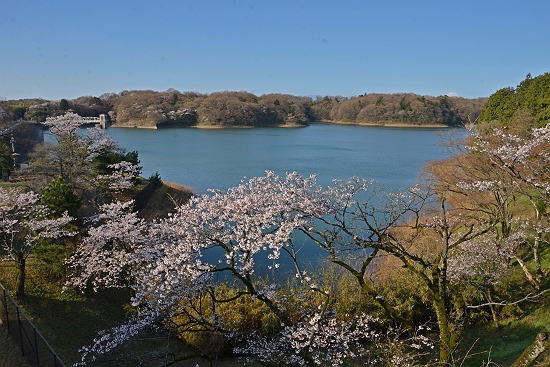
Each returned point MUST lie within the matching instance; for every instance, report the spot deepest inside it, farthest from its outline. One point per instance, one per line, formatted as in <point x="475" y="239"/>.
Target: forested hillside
<point x="529" y="100"/>
<point x="146" y="108"/>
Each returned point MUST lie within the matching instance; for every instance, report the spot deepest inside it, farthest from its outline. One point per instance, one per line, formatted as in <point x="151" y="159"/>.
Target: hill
<point x="151" y="109"/>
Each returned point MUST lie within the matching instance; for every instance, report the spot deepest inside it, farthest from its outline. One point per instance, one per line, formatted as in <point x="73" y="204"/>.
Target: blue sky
<point x="66" y="49"/>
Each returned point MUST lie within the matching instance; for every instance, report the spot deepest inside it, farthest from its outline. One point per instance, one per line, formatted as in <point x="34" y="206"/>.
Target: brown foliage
<point x="407" y="109"/>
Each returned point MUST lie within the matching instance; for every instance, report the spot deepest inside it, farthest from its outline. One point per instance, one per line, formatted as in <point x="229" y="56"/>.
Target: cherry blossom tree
<point x="419" y="229"/>
<point x="121" y="178"/>
<point x="224" y="234"/>
<point x="110" y="252"/>
<point x="484" y="262"/>
<point x="175" y="266"/>
<point x="523" y="159"/>
<point x="72" y="155"/>
<point x="172" y="263"/>
<point x="497" y="172"/>
<point x="320" y="334"/>
<point x="23" y="223"/>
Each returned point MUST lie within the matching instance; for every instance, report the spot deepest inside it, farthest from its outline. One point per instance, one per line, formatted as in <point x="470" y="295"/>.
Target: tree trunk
<point x="493" y="308"/>
<point x="531" y="353"/>
<point x="445" y="347"/>
<point x="536" y="259"/>
<point x="536" y="245"/>
<point x="20" y="280"/>
<point x="528" y="275"/>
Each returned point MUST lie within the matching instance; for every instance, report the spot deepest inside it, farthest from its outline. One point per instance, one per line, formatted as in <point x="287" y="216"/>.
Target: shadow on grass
<point x="68" y="324"/>
<point x="504" y="345"/>
<point x="501" y="346"/>
<point x="68" y="320"/>
<point x="10" y="354"/>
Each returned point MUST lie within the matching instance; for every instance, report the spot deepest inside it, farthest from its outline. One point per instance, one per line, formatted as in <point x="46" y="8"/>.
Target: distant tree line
<point x="228" y="108"/>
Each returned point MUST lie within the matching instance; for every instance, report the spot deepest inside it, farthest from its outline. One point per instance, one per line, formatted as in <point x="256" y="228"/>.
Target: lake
<point x="221" y="158"/>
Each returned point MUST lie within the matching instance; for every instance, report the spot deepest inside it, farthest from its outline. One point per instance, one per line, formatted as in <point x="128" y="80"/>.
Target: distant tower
<point x="13" y="154"/>
<point x="103" y="121"/>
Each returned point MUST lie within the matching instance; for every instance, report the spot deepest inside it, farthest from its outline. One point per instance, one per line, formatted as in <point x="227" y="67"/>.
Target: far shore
<point x="291" y="126"/>
<point x="396" y="124"/>
<point x="206" y="127"/>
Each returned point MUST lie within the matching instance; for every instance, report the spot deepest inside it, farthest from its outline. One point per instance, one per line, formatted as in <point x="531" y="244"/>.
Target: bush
<point x="155" y="179"/>
<point x="59" y="197"/>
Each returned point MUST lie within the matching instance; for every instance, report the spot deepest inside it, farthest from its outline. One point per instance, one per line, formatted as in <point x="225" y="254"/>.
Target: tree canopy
<point x="531" y="96"/>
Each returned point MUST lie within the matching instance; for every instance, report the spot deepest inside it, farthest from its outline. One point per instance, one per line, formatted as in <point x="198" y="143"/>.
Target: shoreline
<point x="397" y="124"/>
<point x="292" y="126"/>
<point x="206" y="127"/>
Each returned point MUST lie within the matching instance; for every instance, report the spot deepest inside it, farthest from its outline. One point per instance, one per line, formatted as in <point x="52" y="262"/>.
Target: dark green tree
<point x="155" y="179"/>
<point x="60" y="198"/>
<point x="6" y="159"/>
<point x="500" y="106"/>
<point x="102" y="161"/>
<point x="63" y="105"/>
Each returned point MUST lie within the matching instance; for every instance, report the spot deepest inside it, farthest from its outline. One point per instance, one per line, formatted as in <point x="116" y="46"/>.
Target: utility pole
<point x="14" y="155"/>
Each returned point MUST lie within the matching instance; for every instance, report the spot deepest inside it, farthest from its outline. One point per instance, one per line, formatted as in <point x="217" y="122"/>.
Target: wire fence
<point x="34" y="346"/>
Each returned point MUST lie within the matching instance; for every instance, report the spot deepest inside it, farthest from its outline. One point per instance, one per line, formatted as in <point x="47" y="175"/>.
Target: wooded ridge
<point x="171" y="108"/>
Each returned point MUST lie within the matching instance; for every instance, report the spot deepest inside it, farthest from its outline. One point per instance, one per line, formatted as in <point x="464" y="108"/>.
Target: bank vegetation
<point x="171" y="108"/>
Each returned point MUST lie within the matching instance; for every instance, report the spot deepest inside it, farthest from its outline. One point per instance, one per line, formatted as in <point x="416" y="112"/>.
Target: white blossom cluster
<point x="97" y="141"/>
<point x="122" y="176"/>
<point x="479" y="185"/>
<point x="486" y="257"/>
<point x="24" y="220"/>
<point x="108" y="340"/>
<point x="64" y="124"/>
<point x="344" y="193"/>
<point x="320" y="336"/>
<point x="110" y="247"/>
<point x="401" y="351"/>
<point x="525" y="157"/>
<point x="175" y="115"/>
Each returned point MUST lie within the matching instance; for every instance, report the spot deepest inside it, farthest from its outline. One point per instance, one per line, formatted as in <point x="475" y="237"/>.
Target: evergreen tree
<point x="532" y="94"/>
<point x="60" y="198"/>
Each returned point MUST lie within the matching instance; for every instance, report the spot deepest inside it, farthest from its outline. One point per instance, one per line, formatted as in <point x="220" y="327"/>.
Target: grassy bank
<point x="68" y="320"/>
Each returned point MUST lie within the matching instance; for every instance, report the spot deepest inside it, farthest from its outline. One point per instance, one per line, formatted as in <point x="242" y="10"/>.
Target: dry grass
<point x="164" y="200"/>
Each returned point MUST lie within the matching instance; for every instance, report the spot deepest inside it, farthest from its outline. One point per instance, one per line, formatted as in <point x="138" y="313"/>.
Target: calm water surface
<point x="221" y="158"/>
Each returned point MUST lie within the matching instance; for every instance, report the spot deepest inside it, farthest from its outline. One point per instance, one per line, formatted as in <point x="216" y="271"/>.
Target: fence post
<point x="36" y="338"/>
<point x="20" y="331"/>
<point x="36" y="347"/>
<point x="5" y="298"/>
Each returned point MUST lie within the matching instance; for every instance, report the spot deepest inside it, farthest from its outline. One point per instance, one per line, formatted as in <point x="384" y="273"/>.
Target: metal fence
<point x="33" y="345"/>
